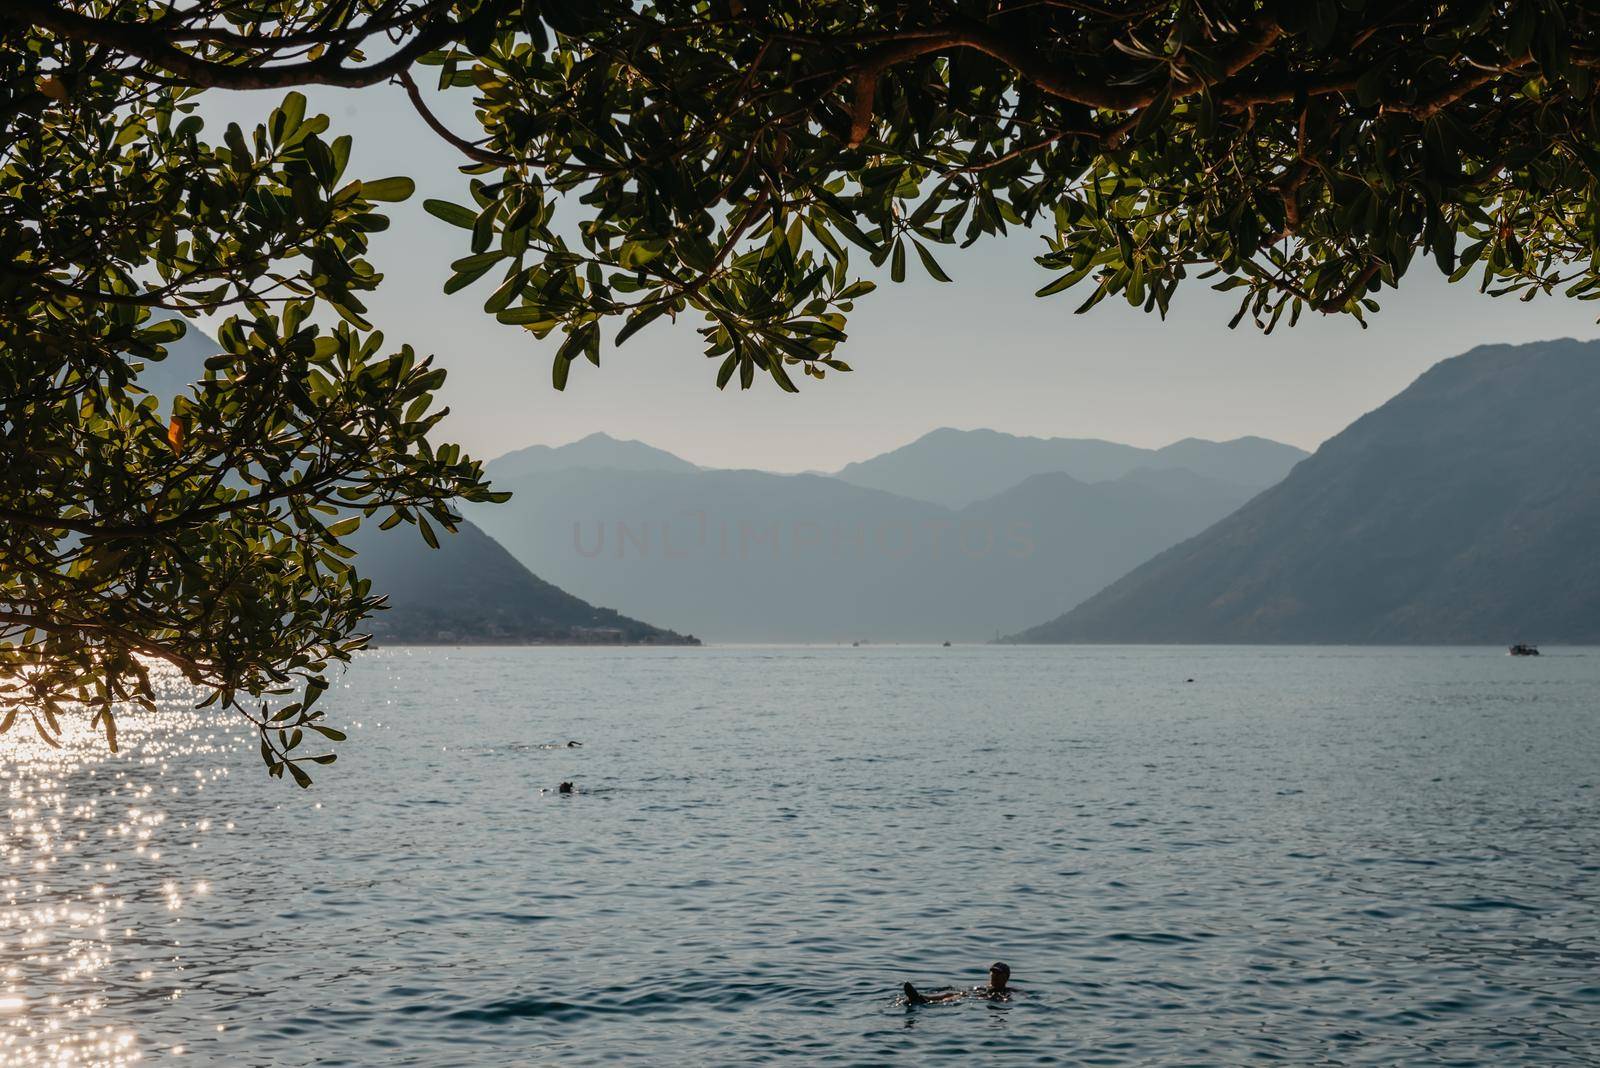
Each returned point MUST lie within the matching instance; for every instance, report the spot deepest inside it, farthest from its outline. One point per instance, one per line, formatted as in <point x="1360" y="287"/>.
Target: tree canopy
<point x="635" y="161"/>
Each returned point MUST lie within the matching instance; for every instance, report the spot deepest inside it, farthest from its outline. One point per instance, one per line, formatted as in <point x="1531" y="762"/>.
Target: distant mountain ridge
<point x="755" y="556"/>
<point x="958" y="467"/>
<point x="596" y="450"/>
<point x="1464" y="510"/>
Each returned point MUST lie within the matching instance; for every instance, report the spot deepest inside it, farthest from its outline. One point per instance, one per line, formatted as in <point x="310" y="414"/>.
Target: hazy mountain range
<point x="757" y="556"/>
<point x="1462" y="511"/>
<point x="957" y="467"/>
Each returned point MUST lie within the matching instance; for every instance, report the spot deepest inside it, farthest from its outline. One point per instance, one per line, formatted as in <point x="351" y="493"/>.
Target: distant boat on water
<point x="1523" y="649"/>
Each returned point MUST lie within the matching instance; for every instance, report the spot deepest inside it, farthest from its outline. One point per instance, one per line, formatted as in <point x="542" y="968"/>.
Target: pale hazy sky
<point x="981" y="352"/>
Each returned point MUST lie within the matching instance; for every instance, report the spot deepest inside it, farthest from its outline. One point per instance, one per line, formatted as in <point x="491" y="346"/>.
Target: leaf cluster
<point x="201" y="528"/>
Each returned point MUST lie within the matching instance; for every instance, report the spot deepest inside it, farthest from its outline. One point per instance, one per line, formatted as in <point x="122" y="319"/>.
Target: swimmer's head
<point x="999" y="975"/>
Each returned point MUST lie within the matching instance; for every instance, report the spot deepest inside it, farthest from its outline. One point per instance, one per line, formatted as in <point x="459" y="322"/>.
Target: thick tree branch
<point x="150" y="43"/>
<point x="1040" y="70"/>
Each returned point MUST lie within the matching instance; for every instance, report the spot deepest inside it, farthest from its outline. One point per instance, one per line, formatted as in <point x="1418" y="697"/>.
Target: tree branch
<point x="146" y="41"/>
<point x="469" y="149"/>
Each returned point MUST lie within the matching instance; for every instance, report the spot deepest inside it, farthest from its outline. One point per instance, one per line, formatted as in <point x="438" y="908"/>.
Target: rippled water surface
<point x="1306" y="856"/>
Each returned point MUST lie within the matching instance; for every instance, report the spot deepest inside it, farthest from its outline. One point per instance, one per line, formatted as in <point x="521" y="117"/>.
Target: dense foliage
<point x="203" y="530"/>
<point x="645" y="159"/>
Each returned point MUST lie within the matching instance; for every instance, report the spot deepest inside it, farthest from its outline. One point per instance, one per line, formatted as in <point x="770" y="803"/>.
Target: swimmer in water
<point x="997" y="990"/>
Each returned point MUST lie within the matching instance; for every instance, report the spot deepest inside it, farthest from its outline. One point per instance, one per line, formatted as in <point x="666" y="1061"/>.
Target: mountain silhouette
<point x="471" y="591"/>
<point x="755" y="556"/>
<point x="596" y="450"/>
<point x="958" y="467"/>
<point x="1462" y="511"/>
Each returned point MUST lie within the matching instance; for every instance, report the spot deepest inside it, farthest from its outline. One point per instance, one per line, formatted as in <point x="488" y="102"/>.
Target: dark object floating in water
<point x="574" y="745"/>
<point x="1522" y="649"/>
<point x="947" y="645"/>
<point x="1188" y="680"/>
<point x="855" y="645"/>
<point x="997" y="990"/>
<point x="564" y="788"/>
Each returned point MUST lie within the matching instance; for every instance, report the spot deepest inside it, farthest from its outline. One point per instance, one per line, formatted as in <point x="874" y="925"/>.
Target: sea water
<point x="1301" y="856"/>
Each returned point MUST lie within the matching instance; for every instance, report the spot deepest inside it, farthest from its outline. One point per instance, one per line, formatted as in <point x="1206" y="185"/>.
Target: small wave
<point x="1485" y="904"/>
<point x="524" y="1008"/>
<point x="534" y="1006"/>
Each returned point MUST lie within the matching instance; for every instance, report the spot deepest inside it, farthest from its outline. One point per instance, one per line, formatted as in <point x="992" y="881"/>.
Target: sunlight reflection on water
<point x="1338" y="856"/>
<point x="85" y="840"/>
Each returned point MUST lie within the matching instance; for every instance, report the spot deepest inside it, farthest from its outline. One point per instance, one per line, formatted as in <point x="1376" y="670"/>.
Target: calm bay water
<point x="1309" y="856"/>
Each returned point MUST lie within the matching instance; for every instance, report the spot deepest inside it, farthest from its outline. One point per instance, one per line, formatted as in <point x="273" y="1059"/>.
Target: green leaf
<point x="463" y="279"/>
<point x="291" y="113"/>
<point x="454" y="214"/>
<point x="638" y="321"/>
<point x="526" y="315"/>
<point x="391" y="189"/>
<point x="725" y="372"/>
<point x="930" y="264"/>
<point x="780" y="376"/>
<point x="1066" y="281"/>
<point x="167" y="330"/>
<point x="508" y="289"/>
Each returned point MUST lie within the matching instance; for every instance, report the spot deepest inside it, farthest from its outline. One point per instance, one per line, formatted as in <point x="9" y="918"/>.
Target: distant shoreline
<point x="425" y="643"/>
<point x="803" y="644"/>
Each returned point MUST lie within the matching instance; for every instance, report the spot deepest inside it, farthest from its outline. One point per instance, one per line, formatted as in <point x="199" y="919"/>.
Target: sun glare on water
<point x="75" y="962"/>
